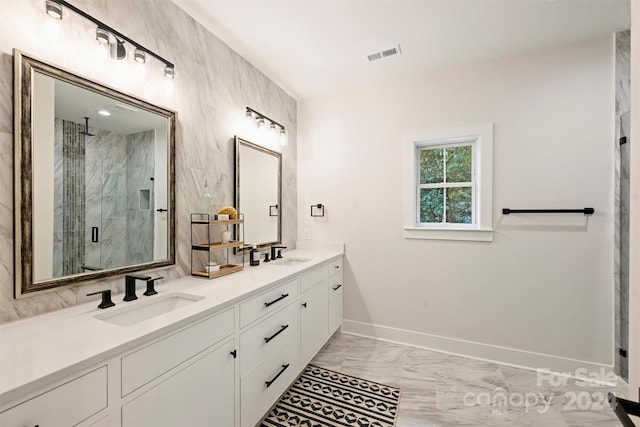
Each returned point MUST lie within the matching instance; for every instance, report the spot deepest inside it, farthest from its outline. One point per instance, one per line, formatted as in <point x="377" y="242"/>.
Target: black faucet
<point x="150" y="286"/>
<point x="273" y="252"/>
<point x="106" y="298"/>
<point x="130" y="286"/>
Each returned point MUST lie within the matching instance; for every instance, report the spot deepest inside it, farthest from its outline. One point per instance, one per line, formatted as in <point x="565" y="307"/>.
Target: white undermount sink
<point x="145" y="310"/>
<point x="290" y="261"/>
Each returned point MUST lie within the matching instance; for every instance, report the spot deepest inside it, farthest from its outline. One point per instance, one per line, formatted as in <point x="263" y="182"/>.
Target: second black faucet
<point x="130" y="286"/>
<point x="273" y="252"/>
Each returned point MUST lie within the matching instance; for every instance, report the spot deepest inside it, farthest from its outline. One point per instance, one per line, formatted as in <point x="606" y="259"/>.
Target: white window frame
<point x="481" y="139"/>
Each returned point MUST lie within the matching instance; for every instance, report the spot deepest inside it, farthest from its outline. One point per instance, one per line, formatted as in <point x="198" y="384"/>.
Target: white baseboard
<point x="485" y="352"/>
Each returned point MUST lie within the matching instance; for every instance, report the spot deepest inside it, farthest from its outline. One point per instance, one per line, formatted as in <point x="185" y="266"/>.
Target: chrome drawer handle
<point x="284" y="368"/>
<point x="266" y="340"/>
<point x="335" y="288"/>
<point x="267" y="304"/>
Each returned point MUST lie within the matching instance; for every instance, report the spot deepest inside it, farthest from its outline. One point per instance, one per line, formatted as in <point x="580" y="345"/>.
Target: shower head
<point x="85" y="132"/>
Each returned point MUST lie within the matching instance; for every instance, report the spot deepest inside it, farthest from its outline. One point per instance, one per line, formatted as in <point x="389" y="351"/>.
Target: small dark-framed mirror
<point x="94" y="179"/>
<point x="259" y="192"/>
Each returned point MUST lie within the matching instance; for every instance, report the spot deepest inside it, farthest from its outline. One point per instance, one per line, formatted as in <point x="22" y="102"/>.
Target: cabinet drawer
<point x="65" y="405"/>
<point x="267" y="336"/>
<point x="255" y="396"/>
<point x="147" y="363"/>
<point x="268" y="302"/>
<point x="335" y="286"/>
<point x="334" y="266"/>
<point x="310" y="279"/>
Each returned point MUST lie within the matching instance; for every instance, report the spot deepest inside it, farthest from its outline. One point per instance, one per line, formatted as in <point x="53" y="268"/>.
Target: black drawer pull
<point x="335" y="288"/>
<point x="234" y="353"/>
<point x="267" y="304"/>
<point x="284" y="368"/>
<point x="266" y="340"/>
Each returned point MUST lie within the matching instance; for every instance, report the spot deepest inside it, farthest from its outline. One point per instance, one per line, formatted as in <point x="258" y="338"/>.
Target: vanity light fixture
<point x="104" y="33"/>
<point x="102" y="36"/>
<point x="54" y="9"/>
<point x="261" y="122"/>
<point x="118" y="51"/>
<point x="169" y="71"/>
<point x="139" y="56"/>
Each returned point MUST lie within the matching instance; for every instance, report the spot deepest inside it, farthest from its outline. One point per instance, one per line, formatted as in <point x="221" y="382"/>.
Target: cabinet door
<point x="65" y="405"/>
<point x="314" y="320"/>
<point x="202" y="394"/>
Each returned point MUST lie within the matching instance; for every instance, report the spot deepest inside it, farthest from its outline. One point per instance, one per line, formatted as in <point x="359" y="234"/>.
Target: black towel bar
<point x="623" y="408"/>
<point x="586" y="211"/>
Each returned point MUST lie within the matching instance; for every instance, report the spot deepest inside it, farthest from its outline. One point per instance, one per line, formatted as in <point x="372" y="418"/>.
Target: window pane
<point x="459" y="164"/>
<point x="459" y="205"/>
<point x="431" y="166"/>
<point x="431" y="204"/>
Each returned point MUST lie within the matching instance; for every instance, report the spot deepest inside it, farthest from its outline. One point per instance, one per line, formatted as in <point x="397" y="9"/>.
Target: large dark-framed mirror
<point x="259" y="192"/>
<point x="94" y="179"/>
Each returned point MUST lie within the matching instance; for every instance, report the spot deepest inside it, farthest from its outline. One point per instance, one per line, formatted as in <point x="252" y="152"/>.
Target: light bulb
<point x="283" y="137"/>
<point x="139" y="56"/>
<point x="102" y="36"/>
<point x="169" y="72"/>
<point x="54" y="9"/>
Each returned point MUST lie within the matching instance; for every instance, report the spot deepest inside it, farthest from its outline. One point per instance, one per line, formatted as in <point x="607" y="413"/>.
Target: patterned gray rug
<point x="324" y="398"/>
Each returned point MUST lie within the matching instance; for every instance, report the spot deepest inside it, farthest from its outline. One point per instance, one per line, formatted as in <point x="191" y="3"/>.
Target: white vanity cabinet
<point x="200" y="394"/>
<point x="67" y="404"/>
<point x="314" y="313"/>
<point x="269" y="350"/>
<point x="223" y="369"/>
<point x="186" y="378"/>
<point x="334" y="270"/>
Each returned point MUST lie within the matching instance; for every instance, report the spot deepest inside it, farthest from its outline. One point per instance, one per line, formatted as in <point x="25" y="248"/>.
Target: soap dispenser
<point x="254" y="256"/>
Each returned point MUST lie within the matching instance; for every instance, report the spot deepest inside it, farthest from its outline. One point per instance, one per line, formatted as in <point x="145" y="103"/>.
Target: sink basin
<point x="290" y="261"/>
<point x="145" y="310"/>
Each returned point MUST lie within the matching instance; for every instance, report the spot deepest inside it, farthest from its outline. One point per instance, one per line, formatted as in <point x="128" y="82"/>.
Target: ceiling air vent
<point x="384" y="54"/>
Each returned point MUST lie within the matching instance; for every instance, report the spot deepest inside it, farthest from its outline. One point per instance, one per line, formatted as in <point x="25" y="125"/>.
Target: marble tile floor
<point x="444" y="390"/>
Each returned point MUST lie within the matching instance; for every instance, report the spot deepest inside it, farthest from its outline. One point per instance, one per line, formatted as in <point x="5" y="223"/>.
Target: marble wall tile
<point x="6" y="87"/>
<point x="213" y="85"/>
<point x="621" y="194"/>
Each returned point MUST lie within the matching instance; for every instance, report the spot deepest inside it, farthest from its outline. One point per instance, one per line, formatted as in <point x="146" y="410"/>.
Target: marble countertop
<point x="37" y="351"/>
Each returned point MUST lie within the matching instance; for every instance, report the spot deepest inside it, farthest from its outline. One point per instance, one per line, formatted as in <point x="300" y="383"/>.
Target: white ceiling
<point x="313" y="46"/>
<point x="74" y="103"/>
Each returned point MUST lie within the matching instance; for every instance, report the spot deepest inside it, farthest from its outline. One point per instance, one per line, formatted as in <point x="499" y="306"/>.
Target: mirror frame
<point x="239" y="141"/>
<point x="24" y="67"/>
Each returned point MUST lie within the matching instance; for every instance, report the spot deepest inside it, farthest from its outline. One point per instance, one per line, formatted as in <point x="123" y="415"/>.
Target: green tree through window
<point x="445" y="184"/>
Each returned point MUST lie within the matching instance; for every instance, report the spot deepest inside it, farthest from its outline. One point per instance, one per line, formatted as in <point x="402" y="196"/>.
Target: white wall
<point x="540" y="294"/>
